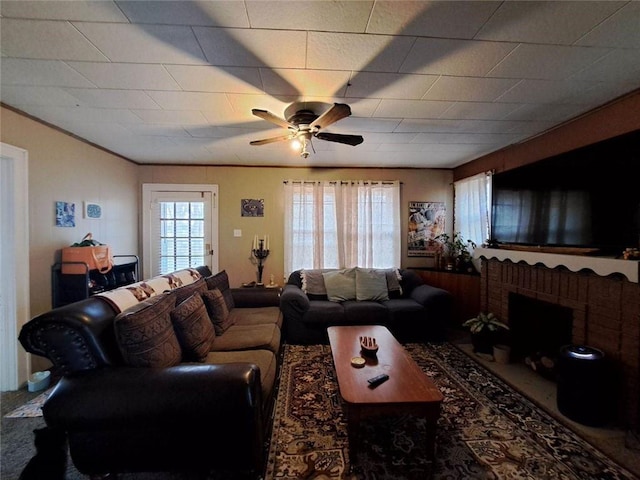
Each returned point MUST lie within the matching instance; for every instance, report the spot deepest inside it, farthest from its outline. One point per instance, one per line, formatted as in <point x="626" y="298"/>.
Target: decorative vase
<point x="483" y="342"/>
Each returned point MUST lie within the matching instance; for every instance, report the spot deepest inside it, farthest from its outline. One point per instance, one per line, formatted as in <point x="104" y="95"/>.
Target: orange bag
<point x="97" y="257"/>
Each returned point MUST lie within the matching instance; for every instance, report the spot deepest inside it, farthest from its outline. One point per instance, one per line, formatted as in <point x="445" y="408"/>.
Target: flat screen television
<point x="587" y="198"/>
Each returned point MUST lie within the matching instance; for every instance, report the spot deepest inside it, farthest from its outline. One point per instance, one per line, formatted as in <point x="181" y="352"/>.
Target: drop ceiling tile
<point x="79" y="115"/>
<point x="335" y="16"/>
<point x="412" y="108"/>
<point x="174" y="117"/>
<point x="550" y="62"/>
<point x="217" y="102"/>
<point x="46" y="40"/>
<point x="552" y="22"/>
<point x="389" y="85"/>
<point x="43" y="96"/>
<point x="373" y="53"/>
<point x="252" y="48"/>
<point x="144" y="43"/>
<point x="380" y="138"/>
<point x="469" y="89"/>
<point x="126" y="75"/>
<point x="619" y="30"/>
<point x="304" y="82"/>
<point x="441" y="56"/>
<point x="458" y="19"/>
<point x="462" y="138"/>
<point x="617" y="66"/>
<point x="216" y="79"/>
<point x="455" y="126"/>
<point x="545" y="112"/>
<point x="18" y="71"/>
<point x="357" y="125"/>
<point x="479" y="111"/>
<point x="403" y="147"/>
<point x="112" y="98"/>
<point x="203" y="13"/>
<point x="91" y="11"/>
<point x="159" y="130"/>
<point x="544" y="91"/>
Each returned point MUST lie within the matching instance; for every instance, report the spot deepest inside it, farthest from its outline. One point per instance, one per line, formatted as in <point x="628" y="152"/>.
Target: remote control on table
<point x="377" y="380"/>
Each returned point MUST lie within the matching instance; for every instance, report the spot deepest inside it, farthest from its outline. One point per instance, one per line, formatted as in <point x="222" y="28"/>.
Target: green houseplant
<point x="486" y="330"/>
<point x="455" y="251"/>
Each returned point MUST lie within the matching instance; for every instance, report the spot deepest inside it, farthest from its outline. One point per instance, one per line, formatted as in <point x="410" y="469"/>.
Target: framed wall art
<point x="251" y="207"/>
<point x="65" y="214"/>
<point x="426" y="222"/>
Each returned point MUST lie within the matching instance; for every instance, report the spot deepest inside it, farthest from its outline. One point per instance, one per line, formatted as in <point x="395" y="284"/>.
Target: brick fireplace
<point x="605" y="307"/>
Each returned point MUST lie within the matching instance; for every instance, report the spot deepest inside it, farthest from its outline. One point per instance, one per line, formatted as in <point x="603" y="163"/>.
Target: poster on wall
<point x="426" y="222"/>
<point x="252" y="207"/>
<point x="65" y="214"/>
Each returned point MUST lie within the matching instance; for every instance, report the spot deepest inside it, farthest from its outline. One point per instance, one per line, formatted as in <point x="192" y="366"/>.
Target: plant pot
<point x="483" y="342"/>
<point x="501" y="353"/>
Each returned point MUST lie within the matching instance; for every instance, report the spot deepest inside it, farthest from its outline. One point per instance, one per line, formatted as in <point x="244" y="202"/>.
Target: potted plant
<point x="486" y="330"/>
<point x="455" y="251"/>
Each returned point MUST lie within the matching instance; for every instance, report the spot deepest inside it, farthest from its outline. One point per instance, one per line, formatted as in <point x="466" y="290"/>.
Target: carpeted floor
<point x="486" y="431"/>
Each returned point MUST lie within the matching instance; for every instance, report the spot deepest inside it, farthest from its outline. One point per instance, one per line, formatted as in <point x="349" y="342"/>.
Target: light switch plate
<point x="237" y="232"/>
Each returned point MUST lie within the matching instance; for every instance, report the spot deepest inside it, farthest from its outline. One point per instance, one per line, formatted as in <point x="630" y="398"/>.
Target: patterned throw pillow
<point x="221" y="281"/>
<point x="193" y="328"/>
<point x="184" y="292"/>
<point x="340" y="284"/>
<point x="218" y="311"/>
<point x="145" y="334"/>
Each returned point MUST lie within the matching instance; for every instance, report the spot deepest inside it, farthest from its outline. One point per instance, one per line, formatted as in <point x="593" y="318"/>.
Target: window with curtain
<point x="473" y="208"/>
<point x="342" y="224"/>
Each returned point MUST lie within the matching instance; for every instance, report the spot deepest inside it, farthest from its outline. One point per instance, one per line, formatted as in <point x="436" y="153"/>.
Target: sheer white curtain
<point x="473" y="207"/>
<point x="341" y="224"/>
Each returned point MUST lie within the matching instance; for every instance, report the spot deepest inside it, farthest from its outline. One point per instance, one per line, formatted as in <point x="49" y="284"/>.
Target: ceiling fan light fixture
<point x="296" y="144"/>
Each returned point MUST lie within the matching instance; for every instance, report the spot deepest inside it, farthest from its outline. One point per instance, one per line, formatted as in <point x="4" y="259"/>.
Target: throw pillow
<point x="145" y="334"/>
<point x="313" y="282"/>
<point x="218" y="311"/>
<point x="340" y="284"/>
<point x="371" y="284"/>
<point x="193" y="328"/>
<point x="393" y="282"/>
<point x="186" y="291"/>
<point x="221" y="281"/>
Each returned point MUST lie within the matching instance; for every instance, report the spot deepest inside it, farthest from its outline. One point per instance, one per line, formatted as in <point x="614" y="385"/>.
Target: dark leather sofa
<point x="190" y="417"/>
<point x="414" y="312"/>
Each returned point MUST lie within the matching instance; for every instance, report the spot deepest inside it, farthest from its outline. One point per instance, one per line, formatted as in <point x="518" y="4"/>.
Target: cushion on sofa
<point x="248" y="337"/>
<point x="257" y="316"/>
<point x="264" y="359"/>
<point x="340" y="284"/>
<point x="393" y="282"/>
<point x="218" y="311"/>
<point x="313" y="281"/>
<point x="184" y="292"/>
<point x="145" y="334"/>
<point x="221" y="281"/>
<point x="193" y="328"/>
<point x="371" y="284"/>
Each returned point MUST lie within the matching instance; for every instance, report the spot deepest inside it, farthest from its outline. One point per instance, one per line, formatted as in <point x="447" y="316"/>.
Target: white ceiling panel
<point x="441" y="56"/>
<point x="126" y="75"/>
<point x="552" y="22"/>
<point x="344" y="51"/>
<point x="202" y="13"/>
<point x="174" y="82"/>
<point x="458" y="19"/>
<point x="45" y="73"/>
<point x="252" y="48"/>
<point x="335" y="16"/>
<point x="25" y="39"/>
<point x="89" y="10"/>
<point x="144" y="43"/>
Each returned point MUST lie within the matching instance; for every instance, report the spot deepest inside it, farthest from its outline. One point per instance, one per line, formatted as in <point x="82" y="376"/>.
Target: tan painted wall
<point x="62" y="168"/>
<point x="236" y="183"/>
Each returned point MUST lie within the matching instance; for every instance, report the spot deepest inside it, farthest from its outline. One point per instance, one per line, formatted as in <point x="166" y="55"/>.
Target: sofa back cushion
<point x="193" y="328"/>
<point x="145" y="334"/>
<point x="340" y="284"/>
<point x="218" y="311"/>
<point x="186" y="291"/>
<point x="221" y="281"/>
<point x="371" y="284"/>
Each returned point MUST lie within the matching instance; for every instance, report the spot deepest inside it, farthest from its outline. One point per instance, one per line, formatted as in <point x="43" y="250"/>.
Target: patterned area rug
<point x="33" y="408"/>
<point x="486" y="430"/>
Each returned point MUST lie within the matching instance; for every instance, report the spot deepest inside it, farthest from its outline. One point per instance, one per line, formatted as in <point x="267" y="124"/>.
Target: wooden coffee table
<point x="408" y="389"/>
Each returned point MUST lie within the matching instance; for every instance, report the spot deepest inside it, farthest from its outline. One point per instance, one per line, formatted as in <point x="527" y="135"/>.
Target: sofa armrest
<point x="438" y="304"/>
<point x="130" y="397"/>
<point x="294" y="303"/>
<point x="255" y="297"/>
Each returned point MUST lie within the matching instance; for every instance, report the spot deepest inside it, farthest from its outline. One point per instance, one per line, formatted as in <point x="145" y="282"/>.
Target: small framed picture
<point x="252" y="207"/>
<point x="65" y="214"/>
<point x="92" y="210"/>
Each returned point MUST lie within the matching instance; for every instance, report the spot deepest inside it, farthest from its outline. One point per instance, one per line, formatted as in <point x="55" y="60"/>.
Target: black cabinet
<point x="68" y="288"/>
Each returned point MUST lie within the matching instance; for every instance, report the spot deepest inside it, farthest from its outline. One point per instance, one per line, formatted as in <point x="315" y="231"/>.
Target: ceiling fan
<point x="305" y="124"/>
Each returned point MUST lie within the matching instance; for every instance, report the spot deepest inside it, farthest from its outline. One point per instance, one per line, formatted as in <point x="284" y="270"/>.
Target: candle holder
<point x="260" y="253"/>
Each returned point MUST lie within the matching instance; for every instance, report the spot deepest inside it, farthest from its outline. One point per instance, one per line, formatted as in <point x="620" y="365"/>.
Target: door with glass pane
<point x="181" y="230"/>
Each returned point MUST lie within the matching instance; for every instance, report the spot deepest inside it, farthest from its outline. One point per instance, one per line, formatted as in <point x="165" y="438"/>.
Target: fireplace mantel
<point x="601" y="265"/>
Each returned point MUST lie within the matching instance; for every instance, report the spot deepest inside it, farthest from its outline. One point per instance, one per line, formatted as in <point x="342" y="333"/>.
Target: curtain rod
<point x="342" y="182"/>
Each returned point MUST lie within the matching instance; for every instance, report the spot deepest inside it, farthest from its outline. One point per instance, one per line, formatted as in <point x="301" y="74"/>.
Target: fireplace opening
<point x="537" y="327"/>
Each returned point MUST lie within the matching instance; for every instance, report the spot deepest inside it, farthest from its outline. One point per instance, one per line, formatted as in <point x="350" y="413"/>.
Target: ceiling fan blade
<point x="352" y="140"/>
<point x="335" y="113"/>
<point x="271" y="140"/>
<point x="270" y="117"/>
